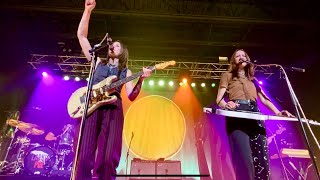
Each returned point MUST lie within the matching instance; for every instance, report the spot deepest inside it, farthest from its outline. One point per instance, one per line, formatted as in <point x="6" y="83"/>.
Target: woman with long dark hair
<point x="101" y="141"/>
<point x="247" y="137"/>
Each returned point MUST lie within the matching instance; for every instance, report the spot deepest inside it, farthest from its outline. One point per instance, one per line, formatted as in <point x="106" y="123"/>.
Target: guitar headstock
<point x="165" y="64"/>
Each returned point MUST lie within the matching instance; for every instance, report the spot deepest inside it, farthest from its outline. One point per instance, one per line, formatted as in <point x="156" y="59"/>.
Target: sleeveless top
<point x="105" y="70"/>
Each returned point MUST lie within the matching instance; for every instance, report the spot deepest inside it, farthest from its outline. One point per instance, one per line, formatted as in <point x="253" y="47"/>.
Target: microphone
<point x="96" y="46"/>
<point x="297" y="69"/>
<point x="111" y="47"/>
<point x="246" y="61"/>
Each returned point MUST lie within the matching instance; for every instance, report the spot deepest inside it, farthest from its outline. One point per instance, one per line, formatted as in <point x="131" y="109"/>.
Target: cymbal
<point x="26" y="127"/>
<point x="31" y="130"/>
<point x="13" y="122"/>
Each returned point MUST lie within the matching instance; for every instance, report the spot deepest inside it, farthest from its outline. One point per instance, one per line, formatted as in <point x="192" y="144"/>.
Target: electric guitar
<point x="100" y="94"/>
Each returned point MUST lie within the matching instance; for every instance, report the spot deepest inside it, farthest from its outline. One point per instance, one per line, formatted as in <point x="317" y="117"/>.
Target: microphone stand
<point x="128" y="154"/>
<point x="93" y="60"/>
<point x="297" y="106"/>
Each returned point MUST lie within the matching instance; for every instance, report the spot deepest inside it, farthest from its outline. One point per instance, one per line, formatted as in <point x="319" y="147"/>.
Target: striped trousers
<point x="101" y="143"/>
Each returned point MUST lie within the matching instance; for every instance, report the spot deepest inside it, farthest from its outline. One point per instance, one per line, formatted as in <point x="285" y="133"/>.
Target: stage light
<point x="184" y="80"/>
<point x="151" y="83"/>
<point x="66" y="78"/>
<point x="193" y="84"/>
<point x="180" y="83"/>
<point x="213" y="85"/>
<point x="223" y="60"/>
<point x="203" y="84"/>
<point x="161" y="83"/>
<point x="87" y="79"/>
<point x="77" y="78"/>
<point x="260" y="82"/>
<point x="44" y="74"/>
<point x="171" y="83"/>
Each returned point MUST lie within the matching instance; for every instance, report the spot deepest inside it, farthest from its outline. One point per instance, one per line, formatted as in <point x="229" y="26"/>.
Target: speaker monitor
<point x="162" y="168"/>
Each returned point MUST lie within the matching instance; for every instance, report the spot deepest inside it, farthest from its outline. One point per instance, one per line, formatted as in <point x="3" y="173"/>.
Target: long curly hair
<point x="233" y="68"/>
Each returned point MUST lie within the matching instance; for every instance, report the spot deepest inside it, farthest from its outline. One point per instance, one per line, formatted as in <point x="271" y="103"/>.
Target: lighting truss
<point x="79" y="66"/>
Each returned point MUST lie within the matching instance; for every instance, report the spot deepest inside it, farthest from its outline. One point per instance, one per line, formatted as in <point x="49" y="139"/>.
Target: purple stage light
<point x="44" y="74"/>
<point x="260" y="82"/>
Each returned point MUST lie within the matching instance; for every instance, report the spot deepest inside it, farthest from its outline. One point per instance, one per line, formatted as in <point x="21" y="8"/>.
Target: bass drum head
<point x="40" y="160"/>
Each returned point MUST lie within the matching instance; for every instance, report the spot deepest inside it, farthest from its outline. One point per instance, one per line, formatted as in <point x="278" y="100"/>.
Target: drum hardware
<point x="36" y="159"/>
<point x="63" y="153"/>
<point x="21" y="142"/>
<point x="4" y="164"/>
<point x="65" y="147"/>
<point x="66" y="138"/>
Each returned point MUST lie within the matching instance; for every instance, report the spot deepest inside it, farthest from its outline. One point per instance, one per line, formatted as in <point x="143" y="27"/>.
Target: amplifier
<point x="142" y="167"/>
<point x="161" y="169"/>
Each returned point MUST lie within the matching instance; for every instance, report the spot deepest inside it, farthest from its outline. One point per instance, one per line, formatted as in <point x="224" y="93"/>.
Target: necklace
<point x="112" y="65"/>
<point x="242" y="74"/>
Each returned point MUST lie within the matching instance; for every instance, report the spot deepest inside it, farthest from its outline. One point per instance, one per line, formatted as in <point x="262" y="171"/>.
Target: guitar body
<point x="100" y="94"/>
<point x="99" y="97"/>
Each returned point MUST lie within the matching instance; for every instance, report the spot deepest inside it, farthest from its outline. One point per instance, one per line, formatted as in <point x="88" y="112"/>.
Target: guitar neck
<point x="124" y="80"/>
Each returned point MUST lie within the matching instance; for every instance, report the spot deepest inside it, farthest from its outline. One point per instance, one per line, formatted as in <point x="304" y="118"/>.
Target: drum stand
<point x="302" y="174"/>
<point x="63" y="153"/>
<point x="18" y="165"/>
<point x="3" y="166"/>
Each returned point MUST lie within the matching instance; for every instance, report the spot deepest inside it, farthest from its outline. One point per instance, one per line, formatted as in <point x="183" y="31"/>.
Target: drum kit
<point x="22" y="156"/>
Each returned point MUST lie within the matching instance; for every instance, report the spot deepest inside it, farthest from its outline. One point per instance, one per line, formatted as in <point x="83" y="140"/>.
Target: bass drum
<point x="40" y="160"/>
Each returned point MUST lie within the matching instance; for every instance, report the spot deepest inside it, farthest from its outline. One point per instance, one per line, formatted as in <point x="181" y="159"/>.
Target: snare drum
<point x="40" y="160"/>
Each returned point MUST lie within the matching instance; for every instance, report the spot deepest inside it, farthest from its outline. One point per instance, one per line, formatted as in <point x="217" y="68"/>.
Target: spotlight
<point x="66" y="78"/>
<point x="203" y="84"/>
<point x="193" y="84"/>
<point x="180" y="83"/>
<point x="171" y="83"/>
<point x="260" y="82"/>
<point x="44" y="74"/>
<point x="87" y="79"/>
<point x="213" y="85"/>
<point x="77" y="78"/>
<point x="161" y="83"/>
<point x="151" y="83"/>
<point x="184" y="80"/>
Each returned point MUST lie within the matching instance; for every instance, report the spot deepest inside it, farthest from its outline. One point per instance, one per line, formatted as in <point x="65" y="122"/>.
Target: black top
<point x="105" y="70"/>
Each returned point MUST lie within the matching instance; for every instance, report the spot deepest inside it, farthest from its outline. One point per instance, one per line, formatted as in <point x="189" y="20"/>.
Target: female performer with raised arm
<point x="102" y="129"/>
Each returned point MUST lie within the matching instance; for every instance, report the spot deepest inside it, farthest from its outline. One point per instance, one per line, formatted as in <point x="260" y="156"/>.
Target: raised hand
<point x="90" y="5"/>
